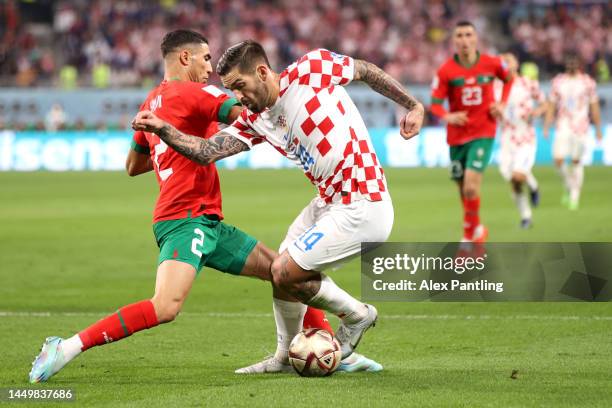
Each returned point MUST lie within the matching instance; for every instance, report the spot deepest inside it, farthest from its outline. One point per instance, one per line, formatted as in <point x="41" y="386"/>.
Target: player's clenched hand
<point x="410" y="125"/>
<point x="497" y="110"/>
<point x="459" y="118"/>
<point x="147" y="122"/>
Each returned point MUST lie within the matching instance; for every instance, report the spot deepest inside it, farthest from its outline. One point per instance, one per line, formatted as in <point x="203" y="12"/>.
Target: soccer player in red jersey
<point x="467" y="81"/>
<point x="188" y="214"/>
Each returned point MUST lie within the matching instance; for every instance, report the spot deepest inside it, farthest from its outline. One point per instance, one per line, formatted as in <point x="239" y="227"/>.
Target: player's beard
<point x="262" y="98"/>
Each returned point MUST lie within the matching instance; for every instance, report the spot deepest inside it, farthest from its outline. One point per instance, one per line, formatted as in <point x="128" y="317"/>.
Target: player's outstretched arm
<point x="202" y="151"/>
<point x="596" y="118"/>
<point x="387" y="86"/>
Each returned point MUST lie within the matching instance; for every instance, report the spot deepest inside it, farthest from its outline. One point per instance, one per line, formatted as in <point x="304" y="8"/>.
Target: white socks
<point x="576" y="177"/>
<point x="333" y="299"/>
<point x="289" y="317"/>
<point x="565" y="176"/>
<point x="72" y="347"/>
<point x="532" y="183"/>
<point x="522" y="203"/>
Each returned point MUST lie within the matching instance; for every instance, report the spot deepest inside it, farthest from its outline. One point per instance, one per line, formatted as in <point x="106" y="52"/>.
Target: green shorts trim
<point x="474" y="155"/>
<point x="203" y="241"/>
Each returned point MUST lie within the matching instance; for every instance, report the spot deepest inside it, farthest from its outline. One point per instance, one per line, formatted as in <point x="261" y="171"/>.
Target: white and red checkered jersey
<point x="315" y="124"/>
<point x="516" y="125"/>
<point x="572" y="95"/>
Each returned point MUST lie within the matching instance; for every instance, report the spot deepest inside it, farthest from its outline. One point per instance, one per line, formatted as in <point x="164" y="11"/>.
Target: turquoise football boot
<point x="49" y="361"/>
<point x="356" y="362"/>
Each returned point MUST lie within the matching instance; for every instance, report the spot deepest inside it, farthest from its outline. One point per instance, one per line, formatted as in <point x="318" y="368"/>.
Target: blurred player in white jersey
<point x="573" y="96"/>
<point x="518" y="139"/>
<point x="306" y="114"/>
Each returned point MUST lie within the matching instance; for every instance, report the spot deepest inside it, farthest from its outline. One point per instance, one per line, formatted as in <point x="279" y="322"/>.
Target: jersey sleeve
<point x="140" y="144"/>
<point x="322" y="68"/>
<point x="592" y="90"/>
<point x="242" y="130"/>
<point x="214" y="104"/>
<point x="501" y="69"/>
<point x="439" y="92"/>
<point x="439" y="88"/>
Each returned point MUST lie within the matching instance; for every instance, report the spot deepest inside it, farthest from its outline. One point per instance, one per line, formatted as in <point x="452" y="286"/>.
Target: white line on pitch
<point x="269" y="315"/>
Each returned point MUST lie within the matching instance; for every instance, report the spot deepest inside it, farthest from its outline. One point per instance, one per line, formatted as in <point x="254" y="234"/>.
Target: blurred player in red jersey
<point x="518" y="138"/>
<point x="573" y="95"/>
<point x="467" y="81"/>
<point x="306" y="114"/>
<point x="187" y="219"/>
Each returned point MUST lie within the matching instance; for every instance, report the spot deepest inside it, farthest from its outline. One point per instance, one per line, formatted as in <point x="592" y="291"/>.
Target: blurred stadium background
<point x="87" y="65"/>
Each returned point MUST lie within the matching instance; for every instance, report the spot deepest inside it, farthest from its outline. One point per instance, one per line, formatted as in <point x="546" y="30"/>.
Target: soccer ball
<point x="315" y="353"/>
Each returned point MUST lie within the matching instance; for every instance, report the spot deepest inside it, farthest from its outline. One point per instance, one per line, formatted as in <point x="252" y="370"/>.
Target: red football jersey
<point x="469" y="89"/>
<point x="186" y="189"/>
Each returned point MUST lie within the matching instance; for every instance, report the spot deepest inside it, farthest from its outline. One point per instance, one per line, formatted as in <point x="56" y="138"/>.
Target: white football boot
<point x="269" y="365"/>
<point x="349" y="335"/>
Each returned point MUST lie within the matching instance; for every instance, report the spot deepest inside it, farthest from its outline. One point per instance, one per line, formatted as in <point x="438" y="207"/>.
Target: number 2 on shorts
<point x="197" y="242"/>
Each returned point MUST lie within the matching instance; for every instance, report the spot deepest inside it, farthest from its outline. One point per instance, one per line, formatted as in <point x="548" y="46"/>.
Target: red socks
<point x="125" y="321"/>
<point x="471" y="217"/>
<point x="315" y="318"/>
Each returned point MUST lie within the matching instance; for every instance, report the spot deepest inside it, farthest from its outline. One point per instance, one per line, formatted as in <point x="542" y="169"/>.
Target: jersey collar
<point x="456" y="57"/>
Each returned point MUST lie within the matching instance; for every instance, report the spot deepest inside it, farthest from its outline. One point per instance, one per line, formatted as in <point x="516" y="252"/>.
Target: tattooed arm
<point x="202" y="151"/>
<point x="387" y="86"/>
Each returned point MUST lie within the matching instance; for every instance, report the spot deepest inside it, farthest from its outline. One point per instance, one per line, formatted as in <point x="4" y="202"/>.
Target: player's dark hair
<point x="245" y="55"/>
<point x="178" y="38"/>
<point x="465" y="23"/>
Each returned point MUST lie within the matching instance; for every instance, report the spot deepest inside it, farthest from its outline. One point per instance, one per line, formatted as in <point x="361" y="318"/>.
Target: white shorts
<point x="326" y="235"/>
<point x="516" y="159"/>
<point x="568" y="143"/>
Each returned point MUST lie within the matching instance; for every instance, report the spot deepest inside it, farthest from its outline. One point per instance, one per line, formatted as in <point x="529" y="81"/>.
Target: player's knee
<point x="518" y="178"/>
<point x="470" y="191"/>
<point x="280" y="277"/>
<point x="276" y="272"/>
<point x="166" y="310"/>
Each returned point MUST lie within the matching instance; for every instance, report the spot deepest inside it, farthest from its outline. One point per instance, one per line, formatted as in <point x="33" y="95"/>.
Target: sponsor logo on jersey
<point x="470" y="81"/>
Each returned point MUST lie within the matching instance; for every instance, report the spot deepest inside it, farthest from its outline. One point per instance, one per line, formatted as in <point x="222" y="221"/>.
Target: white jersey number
<point x="159" y="150"/>
<point x="471" y="96"/>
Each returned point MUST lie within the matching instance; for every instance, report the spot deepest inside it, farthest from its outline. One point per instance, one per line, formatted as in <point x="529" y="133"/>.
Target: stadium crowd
<point x="543" y="31"/>
<point x="78" y="43"/>
<point x="104" y="44"/>
<point x="115" y="44"/>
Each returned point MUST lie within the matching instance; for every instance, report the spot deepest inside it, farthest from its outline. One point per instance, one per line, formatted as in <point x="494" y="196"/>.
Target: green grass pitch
<point x="76" y="246"/>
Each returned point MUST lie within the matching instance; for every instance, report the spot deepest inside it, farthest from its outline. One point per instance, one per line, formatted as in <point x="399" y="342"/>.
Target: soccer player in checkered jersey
<point x="573" y="95"/>
<point x="307" y="115"/>
<point x="518" y="139"/>
<point x="187" y="219"/>
<point x="467" y="81"/>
